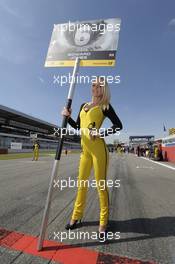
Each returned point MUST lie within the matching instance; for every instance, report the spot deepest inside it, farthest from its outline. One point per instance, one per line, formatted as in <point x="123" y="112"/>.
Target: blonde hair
<point x="105" y="100"/>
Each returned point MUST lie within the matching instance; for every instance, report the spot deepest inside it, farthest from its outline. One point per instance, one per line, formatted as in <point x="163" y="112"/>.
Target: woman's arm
<point x="73" y="123"/>
<point x="117" y="124"/>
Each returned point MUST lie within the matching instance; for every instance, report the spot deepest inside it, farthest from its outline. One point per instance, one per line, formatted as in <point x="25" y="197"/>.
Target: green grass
<point x="23" y="155"/>
<point x="30" y="155"/>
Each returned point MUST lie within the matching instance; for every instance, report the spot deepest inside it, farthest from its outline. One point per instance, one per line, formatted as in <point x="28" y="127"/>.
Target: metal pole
<point x="57" y="159"/>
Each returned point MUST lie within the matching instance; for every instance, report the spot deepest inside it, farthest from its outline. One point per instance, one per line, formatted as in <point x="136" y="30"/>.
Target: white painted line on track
<point x="162" y="164"/>
<point x="33" y="161"/>
<point x="144" y="167"/>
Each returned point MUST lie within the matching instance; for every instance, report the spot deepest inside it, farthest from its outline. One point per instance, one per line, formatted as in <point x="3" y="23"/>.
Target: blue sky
<point x="144" y="99"/>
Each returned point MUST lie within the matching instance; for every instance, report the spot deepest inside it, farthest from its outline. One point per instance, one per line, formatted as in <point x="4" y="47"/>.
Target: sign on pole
<point x="16" y="145"/>
<point x="33" y="135"/>
<point x="93" y="42"/>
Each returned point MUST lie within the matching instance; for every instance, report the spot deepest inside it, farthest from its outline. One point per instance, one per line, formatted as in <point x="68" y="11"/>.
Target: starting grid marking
<point x="59" y="252"/>
<point x="144" y="167"/>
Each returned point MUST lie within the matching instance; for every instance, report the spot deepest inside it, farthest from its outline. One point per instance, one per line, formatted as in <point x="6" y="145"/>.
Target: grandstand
<point x="19" y="130"/>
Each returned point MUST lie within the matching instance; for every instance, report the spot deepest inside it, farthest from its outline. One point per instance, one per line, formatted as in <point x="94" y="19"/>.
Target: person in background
<point x="138" y="151"/>
<point x="36" y="147"/>
<point x="156" y="152"/>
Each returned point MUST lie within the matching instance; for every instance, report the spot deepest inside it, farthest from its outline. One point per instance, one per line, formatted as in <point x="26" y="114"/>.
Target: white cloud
<point x="41" y="79"/>
<point x="9" y="10"/>
<point x="17" y="13"/>
<point x="172" y="22"/>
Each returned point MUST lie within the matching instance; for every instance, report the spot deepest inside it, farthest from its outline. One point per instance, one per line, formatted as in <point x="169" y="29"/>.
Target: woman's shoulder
<point x="109" y="109"/>
<point x="82" y="105"/>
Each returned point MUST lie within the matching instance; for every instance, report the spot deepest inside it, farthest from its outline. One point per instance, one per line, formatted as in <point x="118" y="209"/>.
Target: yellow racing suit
<point x="35" y="151"/>
<point x="94" y="154"/>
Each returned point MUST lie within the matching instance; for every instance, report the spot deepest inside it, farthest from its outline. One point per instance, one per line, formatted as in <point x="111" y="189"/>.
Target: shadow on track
<point x="149" y="228"/>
